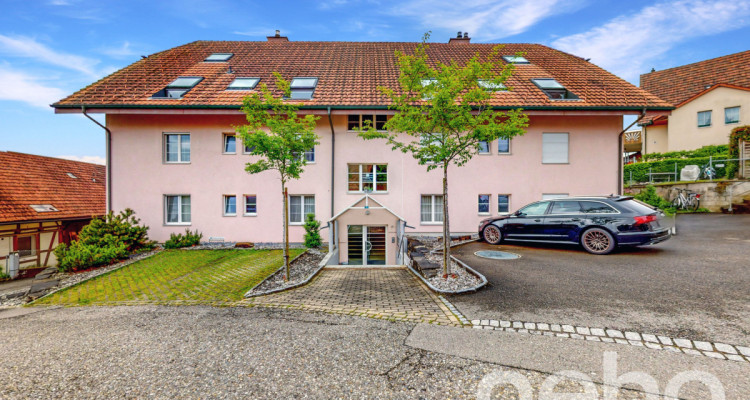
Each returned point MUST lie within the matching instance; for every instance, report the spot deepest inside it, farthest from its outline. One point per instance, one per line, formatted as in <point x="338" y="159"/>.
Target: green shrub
<point x="179" y="240"/>
<point x="312" y="232"/>
<point x="649" y="196"/>
<point x="4" y="276"/>
<point x="716" y="151"/>
<point x="640" y="170"/>
<point x="79" y="255"/>
<point x="740" y="133"/>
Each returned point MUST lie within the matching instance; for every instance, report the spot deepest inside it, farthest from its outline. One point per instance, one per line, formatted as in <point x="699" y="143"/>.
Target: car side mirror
<point x="518" y="214"/>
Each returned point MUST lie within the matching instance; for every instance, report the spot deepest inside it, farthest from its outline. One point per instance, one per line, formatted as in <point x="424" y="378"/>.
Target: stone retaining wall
<point x="714" y="195"/>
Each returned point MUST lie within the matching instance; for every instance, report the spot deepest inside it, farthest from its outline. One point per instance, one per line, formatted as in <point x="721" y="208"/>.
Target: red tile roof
<point x="349" y="74"/>
<point x="27" y="179"/>
<point x="677" y="85"/>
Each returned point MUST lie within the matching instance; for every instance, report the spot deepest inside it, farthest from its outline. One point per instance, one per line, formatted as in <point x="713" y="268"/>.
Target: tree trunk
<point x="446" y="225"/>
<point x="286" y="231"/>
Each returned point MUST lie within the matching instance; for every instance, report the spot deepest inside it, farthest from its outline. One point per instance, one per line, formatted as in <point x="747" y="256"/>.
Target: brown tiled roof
<point x="27" y="179"/>
<point x="349" y="74"/>
<point x="676" y="85"/>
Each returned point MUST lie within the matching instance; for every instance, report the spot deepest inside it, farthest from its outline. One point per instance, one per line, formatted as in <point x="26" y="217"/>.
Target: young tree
<point x="444" y="112"/>
<point x="280" y="137"/>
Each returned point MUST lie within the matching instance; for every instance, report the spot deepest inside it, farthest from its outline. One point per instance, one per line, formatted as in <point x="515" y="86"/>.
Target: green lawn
<point x="176" y="277"/>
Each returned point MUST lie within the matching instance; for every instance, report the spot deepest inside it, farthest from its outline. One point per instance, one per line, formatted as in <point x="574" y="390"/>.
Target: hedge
<point x="717" y="151"/>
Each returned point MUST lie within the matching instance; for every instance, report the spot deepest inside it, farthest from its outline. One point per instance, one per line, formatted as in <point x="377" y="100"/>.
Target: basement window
<point x="178" y="87"/>
<point x="553" y="89"/>
<point x="43" y="207"/>
<point x="218" y="57"/>
<point x="302" y="88"/>
<point x="516" y="60"/>
<point x="243" y="84"/>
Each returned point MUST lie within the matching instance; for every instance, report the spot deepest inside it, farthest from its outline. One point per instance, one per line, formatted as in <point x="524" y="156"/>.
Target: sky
<point x="51" y="48"/>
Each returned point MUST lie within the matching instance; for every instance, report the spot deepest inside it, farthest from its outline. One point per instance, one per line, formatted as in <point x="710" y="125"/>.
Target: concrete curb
<point x="461" y="263"/>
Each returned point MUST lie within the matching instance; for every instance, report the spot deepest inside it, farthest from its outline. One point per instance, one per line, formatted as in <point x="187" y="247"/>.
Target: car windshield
<point x="638" y="207"/>
<point x="535" y="208"/>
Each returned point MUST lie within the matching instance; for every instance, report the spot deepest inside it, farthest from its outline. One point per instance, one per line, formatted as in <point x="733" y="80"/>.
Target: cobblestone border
<point x="678" y="345"/>
<point x="454" y="310"/>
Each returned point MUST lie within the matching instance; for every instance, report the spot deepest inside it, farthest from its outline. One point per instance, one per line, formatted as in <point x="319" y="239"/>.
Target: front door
<point x="366" y="245"/>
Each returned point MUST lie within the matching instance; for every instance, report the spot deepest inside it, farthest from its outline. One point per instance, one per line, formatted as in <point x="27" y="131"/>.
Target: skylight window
<point x="243" y="84"/>
<point x="493" y="87"/>
<point x="218" y="57"/>
<point x="516" y="60"/>
<point x="178" y="87"/>
<point x="43" y="207"/>
<point x="554" y="90"/>
<point x="302" y="88"/>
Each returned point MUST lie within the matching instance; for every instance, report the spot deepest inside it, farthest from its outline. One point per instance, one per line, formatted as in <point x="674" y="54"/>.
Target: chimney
<point x="461" y="38"/>
<point x="277" y="37"/>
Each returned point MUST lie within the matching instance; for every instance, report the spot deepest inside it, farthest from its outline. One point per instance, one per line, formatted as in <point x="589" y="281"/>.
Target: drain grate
<point x="497" y="255"/>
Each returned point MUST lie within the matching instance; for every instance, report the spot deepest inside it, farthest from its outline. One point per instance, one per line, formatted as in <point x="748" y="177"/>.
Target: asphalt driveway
<point x="695" y="285"/>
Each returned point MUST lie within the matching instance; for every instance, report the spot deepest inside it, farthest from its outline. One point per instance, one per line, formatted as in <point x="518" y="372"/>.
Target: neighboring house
<point x="711" y="97"/>
<point x="176" y="162"/>
<point x="45" y="201"/>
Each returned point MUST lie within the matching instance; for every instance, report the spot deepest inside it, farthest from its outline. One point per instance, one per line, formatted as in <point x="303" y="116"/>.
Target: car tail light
<point x="644" y="219"/>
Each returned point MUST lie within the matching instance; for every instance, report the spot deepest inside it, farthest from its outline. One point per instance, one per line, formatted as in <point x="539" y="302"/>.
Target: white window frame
<point x="374" y="178"/>
<point x="244" y="205"/>
<point x="302" y="204"/>
<point x="503" y="153"/>
<point x="432" y="220"/>
<point x="738" y="115"/>
<point x="549" y="159"/>
<point x="224" y="143"/>
<point x="225" y="203"/>
<point x="165" y="136"/>
<point x="489" y="147"/>
<point x="489" y="204"/>
<point x="710" y="118"/>
<point x="179" y="213"/>
<point x="498" y="204"/>
<point x="311" y="151"/>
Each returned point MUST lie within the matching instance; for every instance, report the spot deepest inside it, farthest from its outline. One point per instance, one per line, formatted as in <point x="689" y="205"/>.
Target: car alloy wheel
<point x="492" y="234"/>
<point x="598" y="241"/>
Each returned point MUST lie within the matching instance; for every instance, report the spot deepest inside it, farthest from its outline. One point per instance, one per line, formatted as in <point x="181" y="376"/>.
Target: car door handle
<point x="537" y="220"/>
<point x="575" y="219"/>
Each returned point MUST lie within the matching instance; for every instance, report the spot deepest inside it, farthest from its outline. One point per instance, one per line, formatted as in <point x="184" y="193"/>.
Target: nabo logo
<point x="611" y="381"/>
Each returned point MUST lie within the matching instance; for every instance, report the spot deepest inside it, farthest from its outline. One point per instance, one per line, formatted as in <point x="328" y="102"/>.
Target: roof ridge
<point x="696" y="63"/>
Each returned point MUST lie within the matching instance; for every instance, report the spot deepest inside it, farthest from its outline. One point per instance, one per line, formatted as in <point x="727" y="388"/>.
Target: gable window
<point x="484" y="147"/>
<point x="251" y="204"/>
<point x="178" y="87"/>
<point x="431" y="209"/>
<point x="516" y="60"/>
<point x="503" y="203"/>
<point x="218" y="57"/>
<point x="368" y="178"/>
<point x="299" y="207"/>
<point x="732" y="115"/>
<point x="243" y="84"/>
<point x="230" y="144"/>
<point x="359" y="122"/>
<point x="553" y="89"/>
<point x="483" y="202"/>
<point x="177" y="209"/>
<point x="492" y="87"/>
<point x="26" y="246"/>
<point x="177" y="147"/>
<point x="554" y="148"/>
<point x="302" y="88"/>
<point x="503" y="146"/>
<point x="230" y="205"/>
<point x="704" y="118"/>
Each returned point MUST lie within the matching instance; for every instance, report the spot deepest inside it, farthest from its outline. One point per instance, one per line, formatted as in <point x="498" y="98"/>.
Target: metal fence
<point x="743" y="170"/>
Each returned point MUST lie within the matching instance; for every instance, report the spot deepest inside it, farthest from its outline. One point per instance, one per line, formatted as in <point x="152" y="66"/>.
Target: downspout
<point x="333" y="158"/>
<point x="108" y="151"/>
<point x="620" y="164"/>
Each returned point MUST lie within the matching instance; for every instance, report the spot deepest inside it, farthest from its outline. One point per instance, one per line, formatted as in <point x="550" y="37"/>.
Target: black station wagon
<point x="599" y="224"/>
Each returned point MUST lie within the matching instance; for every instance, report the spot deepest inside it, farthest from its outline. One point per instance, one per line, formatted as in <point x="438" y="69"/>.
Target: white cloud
<point x="484" y="19"/>
<point x="88" y="159"/>
<point x="22" y="46"/>
<point x="19" y="86"/>
<point x="625" y="44"/>
<point x="123" y="51"/>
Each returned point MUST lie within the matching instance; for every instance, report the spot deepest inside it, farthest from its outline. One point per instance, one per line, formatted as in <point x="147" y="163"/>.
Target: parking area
<point x="695" y="285"/>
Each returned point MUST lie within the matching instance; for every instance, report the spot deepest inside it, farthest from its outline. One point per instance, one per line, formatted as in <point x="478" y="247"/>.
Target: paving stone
<point x="692" y="352"/>
<point x="598" y="332"/>
<point x="488" y="327"/>
<point x="725" y="348"/>
<point x="735" y="357"/>
<point x="576" y="336"/>
<point x="684" y="343"/>
<point x="555" y="327"/>
<point x="672" y="349"/>
<point x="538" y="333"/>
<point x="474" y="326"/>
<point x="614" y="333"/>
<point x="650" y="338"/>
<point x="505" y="324"/>
<point x="632" y="336"/>
<point x="494" y="323"/>
<point x="510" y="329"/>
<point x="583" y="330"/>
<point x="529" y="325"/>
<point x="652" y="345"/>
<point x="636" y="343"/>
<point x="621" y="341"/>
<point x="485" y="322"/>
<point x="665" y="340"/>
<point x="475" y="322"/>
<point x="565" y="335"/>
<point x="593" y="338"/>
<point x="523" y="331"/>
<point x="542" y="326"/>
<point x="568" y="328"/>
<point x="608" y="340"/>
<point x="548" y="333"/>
<point x="517" y="324"/>
<point x="714" y="354"/>
<point x="744" y="350"/>
<point x="705" y="346"/>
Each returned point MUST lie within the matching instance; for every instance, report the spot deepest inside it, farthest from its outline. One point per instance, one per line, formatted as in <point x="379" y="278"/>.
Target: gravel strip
<point x="299" y="270"/>
<point x="256" y="246"/>
<point x="463" y="280"/>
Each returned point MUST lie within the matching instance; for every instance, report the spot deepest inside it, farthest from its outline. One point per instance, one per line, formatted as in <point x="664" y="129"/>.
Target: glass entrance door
<point x="366" y="245"/>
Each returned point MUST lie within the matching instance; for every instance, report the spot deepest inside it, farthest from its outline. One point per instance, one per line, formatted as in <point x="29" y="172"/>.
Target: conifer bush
<point x="312" y="232"/>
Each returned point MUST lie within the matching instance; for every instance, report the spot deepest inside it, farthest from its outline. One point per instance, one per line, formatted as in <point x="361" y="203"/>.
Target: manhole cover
<point x="497" y="255"/>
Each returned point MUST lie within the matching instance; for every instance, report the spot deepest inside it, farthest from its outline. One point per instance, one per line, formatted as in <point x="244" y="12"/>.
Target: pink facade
<point x="141" y="178"/>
